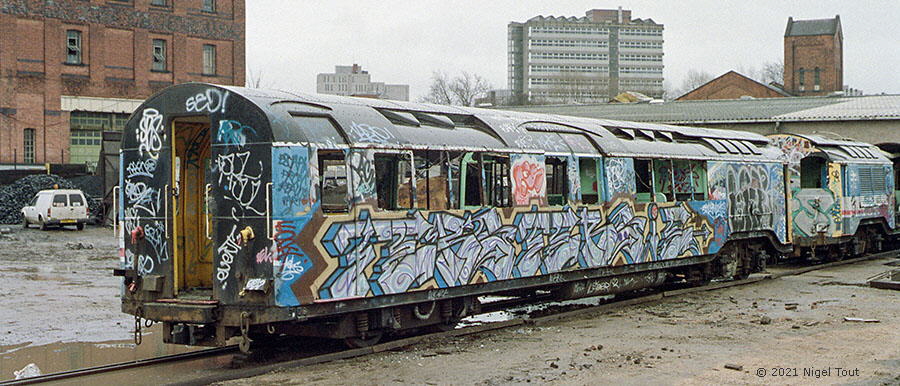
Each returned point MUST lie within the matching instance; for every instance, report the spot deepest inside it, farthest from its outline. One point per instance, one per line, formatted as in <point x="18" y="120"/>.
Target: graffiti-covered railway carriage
<point x="248" y="212"/>
<point x="841" y="195"/>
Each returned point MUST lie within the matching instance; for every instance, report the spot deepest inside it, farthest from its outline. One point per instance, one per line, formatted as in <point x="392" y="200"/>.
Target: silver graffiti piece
<point x="227" y="253"/>
<point x="368" y="133"/>
<point x="143" y="168"/>
<point x="239" y="186"/>
<point x="211" y="101"/>
<point x="149" y="131"/>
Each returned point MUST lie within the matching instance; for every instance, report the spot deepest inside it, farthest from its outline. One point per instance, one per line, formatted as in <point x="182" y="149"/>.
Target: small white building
<point x="354" y="81"/>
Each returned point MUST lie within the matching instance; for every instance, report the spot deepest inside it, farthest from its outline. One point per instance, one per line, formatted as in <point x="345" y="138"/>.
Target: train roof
<point x="844" y="150"/>
<point x="337" y="121"/>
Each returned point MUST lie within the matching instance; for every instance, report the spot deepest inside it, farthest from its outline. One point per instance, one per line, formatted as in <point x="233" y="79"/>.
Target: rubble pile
<point x="15" y="196"/>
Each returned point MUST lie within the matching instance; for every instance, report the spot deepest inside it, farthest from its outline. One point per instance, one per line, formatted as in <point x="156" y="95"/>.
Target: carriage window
<point x="496" y="173"/>
<point x="663" y="180"/>
<point x="486" y="180"/>
<point x="587" y="168"/>
<point x="393" y="181"/>
<point x="557" y="187"/>
<point x="454" y="169"/>
<point x="431" y="180"/>
<point x="692" y="186"/>
<point x="812" y="173"/>
<point x="333" y="181"/>
<point x="643" y="180"/>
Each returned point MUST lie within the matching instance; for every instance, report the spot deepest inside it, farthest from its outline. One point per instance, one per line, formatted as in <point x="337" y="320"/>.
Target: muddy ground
<point x="789" y="330"/>
<point x="55" y="291"/>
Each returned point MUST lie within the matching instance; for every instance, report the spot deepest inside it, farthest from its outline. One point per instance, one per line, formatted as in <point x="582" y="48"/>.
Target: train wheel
<point x="369" y="338"/>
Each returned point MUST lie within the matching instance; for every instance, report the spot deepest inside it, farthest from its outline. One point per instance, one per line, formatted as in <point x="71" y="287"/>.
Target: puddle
<point x="57" y="357"/>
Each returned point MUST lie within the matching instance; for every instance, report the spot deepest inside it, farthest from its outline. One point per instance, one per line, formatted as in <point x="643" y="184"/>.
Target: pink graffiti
<point x="528" y="180"/>
<point x="267" y="255"/>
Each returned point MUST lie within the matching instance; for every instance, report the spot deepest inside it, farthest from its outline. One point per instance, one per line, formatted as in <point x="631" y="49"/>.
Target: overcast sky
<point x="290" y="41"/>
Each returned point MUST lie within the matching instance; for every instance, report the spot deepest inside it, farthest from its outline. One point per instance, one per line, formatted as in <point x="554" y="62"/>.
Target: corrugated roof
<point x="876" y="107"/>
<point x="812" y="27"/>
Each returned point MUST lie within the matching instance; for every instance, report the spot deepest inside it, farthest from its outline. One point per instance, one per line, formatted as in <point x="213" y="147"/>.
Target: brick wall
<point x="116" y="59"/>
<point x="809" y="52"/>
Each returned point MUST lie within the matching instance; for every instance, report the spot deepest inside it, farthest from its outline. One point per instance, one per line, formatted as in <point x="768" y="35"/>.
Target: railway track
<point x="223" y="356"/>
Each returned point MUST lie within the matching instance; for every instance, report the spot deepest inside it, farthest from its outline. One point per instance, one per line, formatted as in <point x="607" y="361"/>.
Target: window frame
<point x="638" y="193"/>
<point x="28" y="142"/>
<point x="76" y="46"/>
<point x="208" y="6"/>
<point x="560" y="179"/>
<point x="333" y="158"/>
<point x="158" y="58"/>
<point x="402" y="159"/>
<point x="209" y="60"/>
<point x="822" y="178"/>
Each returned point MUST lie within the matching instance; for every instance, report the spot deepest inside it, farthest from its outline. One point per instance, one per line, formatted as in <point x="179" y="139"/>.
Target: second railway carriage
<point x="248" y="212"/>
<point x="841" y="195"/>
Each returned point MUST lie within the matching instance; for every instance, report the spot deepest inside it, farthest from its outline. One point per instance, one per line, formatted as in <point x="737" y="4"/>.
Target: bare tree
<point x="772" y="72"/>
<point x="256" y="79"/>
<point x="461" y="90"/>
<point x="467" y="87"/>
<point x="693" y="79"/>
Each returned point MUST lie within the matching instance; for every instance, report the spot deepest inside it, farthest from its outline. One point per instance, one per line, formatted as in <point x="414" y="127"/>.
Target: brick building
<point x="733" y="85"/>
<point x="813" y="56"/>
<point x="70" y="69"/>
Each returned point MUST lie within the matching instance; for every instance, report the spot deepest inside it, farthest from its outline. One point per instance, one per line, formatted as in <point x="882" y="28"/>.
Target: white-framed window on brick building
<point x="73" y="46"/>
<point x="209" y="59"/>
<point x="159" y="55"/>
<point x="160" y="3"/>
<point x="816" y="79"/>
<point x="28" y="147"/>
<point x="208" y="5"/>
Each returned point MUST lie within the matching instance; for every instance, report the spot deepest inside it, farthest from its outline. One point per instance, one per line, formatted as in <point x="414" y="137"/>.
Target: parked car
<point x="57" y="207"/>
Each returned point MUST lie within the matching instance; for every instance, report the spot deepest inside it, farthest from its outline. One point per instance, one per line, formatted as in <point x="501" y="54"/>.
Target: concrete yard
<point x="793" y="326"/>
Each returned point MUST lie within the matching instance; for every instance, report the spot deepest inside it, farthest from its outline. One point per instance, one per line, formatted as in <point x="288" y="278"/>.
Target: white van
<point x="57" y="207"/>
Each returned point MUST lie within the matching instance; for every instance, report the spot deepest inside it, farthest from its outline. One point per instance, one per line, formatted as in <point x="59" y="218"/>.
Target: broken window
<point x="590" y="192"/>
<point x="555" y="171"/>
<point x="813" y="173"/>
<point x="486" y="180"/>
<point x="159" y="55"/>
<point x="690" y="180"/>
<point x="73" y="46"/>
<point x="393" y="181"/>
<point x="431" y="180"/>
<point x="496" y="173"/>
<point x="454" y="168"/>
<point x="332" y="181"/>
<point x="643" y="180"/>
<point x="663" y="181"/>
